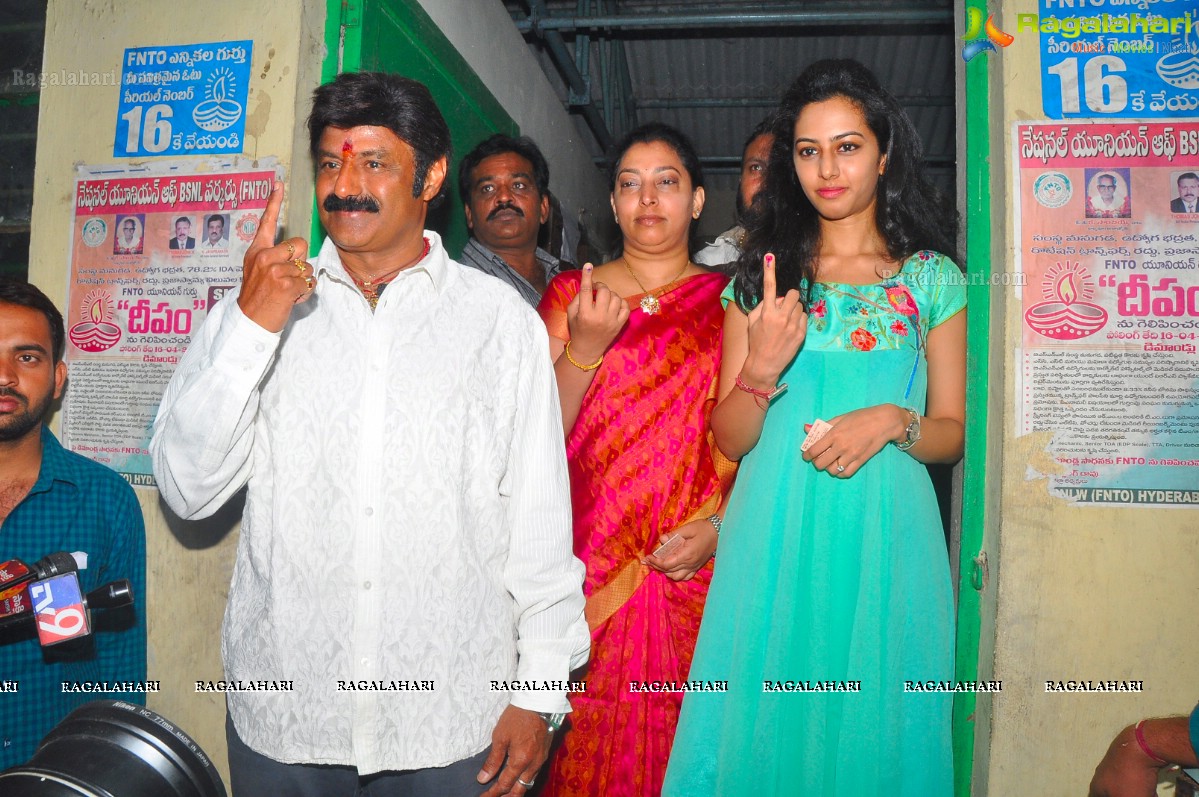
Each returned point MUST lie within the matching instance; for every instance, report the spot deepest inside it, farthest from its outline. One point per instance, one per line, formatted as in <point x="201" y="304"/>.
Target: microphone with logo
<point x="47" y="596"/>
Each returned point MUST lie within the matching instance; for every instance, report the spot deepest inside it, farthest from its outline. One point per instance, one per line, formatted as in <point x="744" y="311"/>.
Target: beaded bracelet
<point x="767" y="395"/>
<point x="580" y="365"/>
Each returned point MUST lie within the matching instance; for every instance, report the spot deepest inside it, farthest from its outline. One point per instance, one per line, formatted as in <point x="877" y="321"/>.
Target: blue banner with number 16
<point x="1115" y="58"/>
<point x="183" y="100"/>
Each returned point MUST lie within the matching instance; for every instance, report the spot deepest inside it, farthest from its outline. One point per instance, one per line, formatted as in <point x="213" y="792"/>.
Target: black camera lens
<point x="109" y="748"/>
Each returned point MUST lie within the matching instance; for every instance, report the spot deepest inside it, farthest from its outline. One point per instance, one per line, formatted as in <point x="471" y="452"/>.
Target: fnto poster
<point x="1108" y="231"/>
<point x="152" y="250"/>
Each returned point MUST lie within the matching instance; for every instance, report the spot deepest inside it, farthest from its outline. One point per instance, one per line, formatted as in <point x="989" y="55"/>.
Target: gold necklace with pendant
<point x="649" y="302"/>
<point x="370" y="287"/>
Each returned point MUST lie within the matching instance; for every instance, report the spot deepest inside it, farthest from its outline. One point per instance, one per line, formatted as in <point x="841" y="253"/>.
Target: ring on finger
<point x="308" y="282"/>
<point x="291" y="250"/>
<point x="528" y="784"/>
<point x="840" y="467"/>
<point x="300" y="264"/>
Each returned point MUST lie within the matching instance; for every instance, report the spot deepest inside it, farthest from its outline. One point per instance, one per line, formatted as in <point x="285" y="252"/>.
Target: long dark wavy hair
<point x="910" y="213"/>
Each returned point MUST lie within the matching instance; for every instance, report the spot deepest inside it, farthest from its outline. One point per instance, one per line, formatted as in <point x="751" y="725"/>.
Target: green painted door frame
<point x="397" y="36"/>
<point x="971" y="579"/>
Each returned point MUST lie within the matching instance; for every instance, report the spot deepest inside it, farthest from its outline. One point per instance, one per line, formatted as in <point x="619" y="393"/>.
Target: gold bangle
<point x="578" y="364"/>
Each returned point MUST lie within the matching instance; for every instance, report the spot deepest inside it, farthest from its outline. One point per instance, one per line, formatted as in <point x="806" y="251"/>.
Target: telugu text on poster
<point x="152" y="251"/>
<point x="1108" y="221"/>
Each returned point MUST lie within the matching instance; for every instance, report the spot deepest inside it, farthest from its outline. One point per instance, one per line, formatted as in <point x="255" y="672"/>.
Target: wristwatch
<point x="552" y="721"/>
<point x="912" y="432"/>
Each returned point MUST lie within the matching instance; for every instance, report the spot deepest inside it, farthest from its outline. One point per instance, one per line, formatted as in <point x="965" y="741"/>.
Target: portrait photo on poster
<point x="1108" y="194"/>
<point x="182" y="238"/>
<point x="128" y="240"/>
<point x="216" y="231"/>
<point x="1185" y="190"/>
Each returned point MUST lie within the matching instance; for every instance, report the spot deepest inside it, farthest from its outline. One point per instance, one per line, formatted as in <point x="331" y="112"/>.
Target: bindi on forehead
<point x="347" y="148"/>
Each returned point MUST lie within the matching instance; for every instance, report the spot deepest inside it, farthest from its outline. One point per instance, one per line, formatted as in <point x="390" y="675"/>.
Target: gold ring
<point x="300" y="264"/>
<point x="291" y="250"/>
<point x="308" y="282"/>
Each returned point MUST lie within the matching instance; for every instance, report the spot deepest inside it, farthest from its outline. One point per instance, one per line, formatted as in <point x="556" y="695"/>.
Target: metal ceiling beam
<point x="731" y="164"/>
<point x="717" y="161"/>
<point x="671" y="104"/>
<point x="574" y="68"/>
<point x="580" y="85"/>
<point x="541" y="23"/>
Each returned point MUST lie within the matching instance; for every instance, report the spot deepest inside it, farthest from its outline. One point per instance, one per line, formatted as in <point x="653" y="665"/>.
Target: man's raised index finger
<point x="268" y="225"/>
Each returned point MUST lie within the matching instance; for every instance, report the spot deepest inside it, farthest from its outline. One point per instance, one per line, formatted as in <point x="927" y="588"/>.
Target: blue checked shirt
<point x="75" y="505"/>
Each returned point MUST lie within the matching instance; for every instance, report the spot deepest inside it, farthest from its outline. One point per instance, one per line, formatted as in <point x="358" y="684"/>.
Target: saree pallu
<point x="642" y="463"/>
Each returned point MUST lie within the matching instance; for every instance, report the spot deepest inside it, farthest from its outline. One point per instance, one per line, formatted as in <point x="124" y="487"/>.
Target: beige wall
<point x="1083" y="592"/>
<point x="188" y="563"/>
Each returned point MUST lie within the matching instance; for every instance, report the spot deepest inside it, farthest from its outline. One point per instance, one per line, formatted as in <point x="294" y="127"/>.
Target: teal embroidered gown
<point x="820" y="579"/>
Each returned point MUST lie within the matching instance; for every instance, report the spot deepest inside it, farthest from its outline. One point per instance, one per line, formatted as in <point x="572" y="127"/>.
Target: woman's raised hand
<point x="777" y="327"/>
<point x="595" y="317"/>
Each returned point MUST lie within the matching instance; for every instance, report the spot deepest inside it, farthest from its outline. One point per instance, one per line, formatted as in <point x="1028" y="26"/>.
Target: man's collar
<point x="433" y="265"/>
<point x="551" y="264"/>
<point x="57" y="464"/>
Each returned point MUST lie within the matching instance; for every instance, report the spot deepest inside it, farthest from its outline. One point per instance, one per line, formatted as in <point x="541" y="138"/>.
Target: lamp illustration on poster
<point x="1067" y="314"/>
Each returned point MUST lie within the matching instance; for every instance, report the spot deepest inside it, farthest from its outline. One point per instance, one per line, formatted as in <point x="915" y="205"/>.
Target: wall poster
<point x="152" y="250"/>
<point x="1108" y="245"/>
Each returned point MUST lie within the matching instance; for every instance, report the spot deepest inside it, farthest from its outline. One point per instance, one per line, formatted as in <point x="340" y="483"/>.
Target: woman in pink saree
<point x="636" y="343"/>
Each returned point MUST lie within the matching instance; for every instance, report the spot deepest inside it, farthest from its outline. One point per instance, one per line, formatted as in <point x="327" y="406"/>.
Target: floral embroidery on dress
<point x="862" y="340"/>
<point x="884" y="315"/>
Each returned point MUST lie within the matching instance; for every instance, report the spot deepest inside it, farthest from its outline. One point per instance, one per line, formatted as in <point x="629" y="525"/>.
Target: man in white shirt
<point x="404" y="567"/>
<point x="215" y="232"/>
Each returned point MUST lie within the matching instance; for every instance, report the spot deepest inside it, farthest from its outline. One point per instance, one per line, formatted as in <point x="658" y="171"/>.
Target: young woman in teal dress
<point x="831" y="589"/>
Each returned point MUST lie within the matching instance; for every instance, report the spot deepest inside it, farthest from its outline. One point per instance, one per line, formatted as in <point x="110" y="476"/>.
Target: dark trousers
<point x="254" y="775"/>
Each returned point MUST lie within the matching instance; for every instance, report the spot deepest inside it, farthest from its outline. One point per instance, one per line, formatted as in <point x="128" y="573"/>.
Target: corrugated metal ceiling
<point x="715" y="81"/>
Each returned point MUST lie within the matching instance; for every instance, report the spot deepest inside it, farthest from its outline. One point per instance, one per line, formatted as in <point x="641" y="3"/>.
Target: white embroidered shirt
<point x="406" y="539"/>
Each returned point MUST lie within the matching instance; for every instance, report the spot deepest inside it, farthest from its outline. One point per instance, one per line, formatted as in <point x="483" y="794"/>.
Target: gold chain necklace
<point x="370" y="287"/>
<point x="649" y="302"/>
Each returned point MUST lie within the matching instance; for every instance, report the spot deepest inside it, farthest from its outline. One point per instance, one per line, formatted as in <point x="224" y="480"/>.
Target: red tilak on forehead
<point x="347" y="148"/>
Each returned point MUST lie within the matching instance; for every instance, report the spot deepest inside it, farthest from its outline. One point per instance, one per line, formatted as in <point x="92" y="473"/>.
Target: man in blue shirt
<point x="54" y="500"/>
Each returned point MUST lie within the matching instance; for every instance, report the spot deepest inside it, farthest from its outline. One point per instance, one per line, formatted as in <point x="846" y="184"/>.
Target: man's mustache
<point x="505" y="206"/>
<point x="350" y="204"/>
<point x="8" y="392"/>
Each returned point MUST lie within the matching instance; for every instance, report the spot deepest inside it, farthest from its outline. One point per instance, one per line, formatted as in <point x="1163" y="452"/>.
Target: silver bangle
<point x="715" y="520"/>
